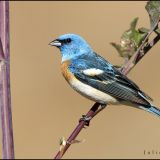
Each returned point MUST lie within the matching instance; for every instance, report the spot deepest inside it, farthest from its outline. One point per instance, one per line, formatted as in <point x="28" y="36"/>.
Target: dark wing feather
<point x="113" y="88"/>
<point x="124" y="80"/>
<point x="112" y="81"/>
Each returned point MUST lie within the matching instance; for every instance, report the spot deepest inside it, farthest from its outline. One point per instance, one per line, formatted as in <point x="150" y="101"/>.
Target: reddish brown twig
<point x="141" y="51"/>
<point x="5" y="100"/>
<point x="125" y="70"/>
<point x="76" y="131"/>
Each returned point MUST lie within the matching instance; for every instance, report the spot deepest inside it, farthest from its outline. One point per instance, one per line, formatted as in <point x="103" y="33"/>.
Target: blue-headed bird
<point x="95" y="78"/>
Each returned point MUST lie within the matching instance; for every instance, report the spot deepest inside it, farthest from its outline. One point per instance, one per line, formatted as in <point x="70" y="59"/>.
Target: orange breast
<point x="66" y="73"/>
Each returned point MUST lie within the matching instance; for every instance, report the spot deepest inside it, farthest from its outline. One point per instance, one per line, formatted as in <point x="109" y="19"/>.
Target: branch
<point x="125" y="70"/>
<point x="141" y="51"/>
<point x="76" y="131"/>
<point x="5" y="100"/>
<point x="149" y="46"/>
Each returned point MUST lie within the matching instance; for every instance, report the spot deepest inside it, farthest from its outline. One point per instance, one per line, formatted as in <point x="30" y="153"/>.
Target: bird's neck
<point x="66" y="57"/>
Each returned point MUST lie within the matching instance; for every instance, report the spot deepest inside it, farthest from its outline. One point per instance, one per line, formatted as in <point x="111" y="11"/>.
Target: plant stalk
<point x="5" y="95"/>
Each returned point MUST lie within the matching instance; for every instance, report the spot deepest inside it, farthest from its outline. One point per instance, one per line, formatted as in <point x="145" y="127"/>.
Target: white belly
<point x="92" y="93"/>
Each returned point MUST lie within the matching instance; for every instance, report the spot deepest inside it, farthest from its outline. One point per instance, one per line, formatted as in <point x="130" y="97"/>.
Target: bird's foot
<point x="103" y="106"/>
<point x="85" y="119"/>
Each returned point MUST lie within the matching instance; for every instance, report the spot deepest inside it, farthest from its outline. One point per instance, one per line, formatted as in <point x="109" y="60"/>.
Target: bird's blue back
<point x="90" y="60"/>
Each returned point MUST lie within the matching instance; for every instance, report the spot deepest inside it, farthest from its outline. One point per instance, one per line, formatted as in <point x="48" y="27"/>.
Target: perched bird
<point x="95" y="78"/>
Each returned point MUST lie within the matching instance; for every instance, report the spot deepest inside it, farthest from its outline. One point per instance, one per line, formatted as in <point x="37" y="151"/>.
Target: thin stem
<point x="5" y="98"/>
<point x="149" y="46"/>
<point x="134" y="59"/>
<point x="76" y="131"/>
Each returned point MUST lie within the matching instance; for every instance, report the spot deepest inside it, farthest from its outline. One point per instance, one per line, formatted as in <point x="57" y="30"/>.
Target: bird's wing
<point x="104" y="77"/>
<point x="124" y="79"/>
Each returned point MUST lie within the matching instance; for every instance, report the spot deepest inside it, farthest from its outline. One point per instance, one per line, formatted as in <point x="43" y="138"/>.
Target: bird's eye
<point x="68" y="40"/>
<point x="65" y="41"/>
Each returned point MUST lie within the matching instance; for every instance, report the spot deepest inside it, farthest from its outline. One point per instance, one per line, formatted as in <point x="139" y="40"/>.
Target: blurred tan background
<point x="45" y="108"/>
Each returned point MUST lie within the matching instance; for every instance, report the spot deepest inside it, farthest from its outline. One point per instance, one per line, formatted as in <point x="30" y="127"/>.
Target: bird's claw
<point x="85" y="119"/>
<point x="103" y="106"/>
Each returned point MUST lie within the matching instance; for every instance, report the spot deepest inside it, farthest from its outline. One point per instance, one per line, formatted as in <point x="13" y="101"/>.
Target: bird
<point x="95" y="78"/>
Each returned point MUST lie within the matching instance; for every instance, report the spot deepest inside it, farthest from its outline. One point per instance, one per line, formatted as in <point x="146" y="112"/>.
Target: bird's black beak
<point x="56" y="43"/>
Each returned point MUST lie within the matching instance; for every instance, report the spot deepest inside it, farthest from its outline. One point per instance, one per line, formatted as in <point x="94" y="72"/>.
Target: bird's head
<point x="71" y="45"/>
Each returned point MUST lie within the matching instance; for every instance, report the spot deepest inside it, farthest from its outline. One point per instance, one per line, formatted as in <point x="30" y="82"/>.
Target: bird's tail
<point x="152" y="109"/>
